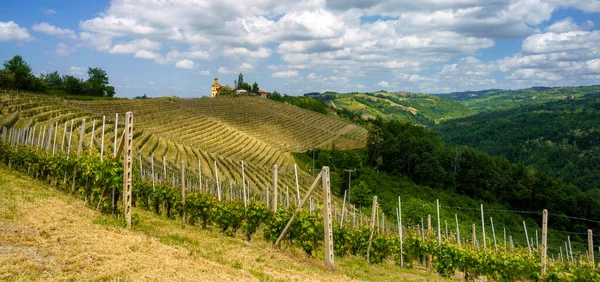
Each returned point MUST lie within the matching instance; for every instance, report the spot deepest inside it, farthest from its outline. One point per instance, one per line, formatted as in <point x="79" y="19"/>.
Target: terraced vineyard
<point x="223" y="130"/>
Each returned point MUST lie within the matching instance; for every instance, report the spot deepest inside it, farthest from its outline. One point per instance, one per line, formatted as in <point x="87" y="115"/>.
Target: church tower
<point x="215" y="87"/>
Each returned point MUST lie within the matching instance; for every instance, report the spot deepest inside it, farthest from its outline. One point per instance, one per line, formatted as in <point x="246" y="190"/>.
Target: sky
<point x="159" y="47"/>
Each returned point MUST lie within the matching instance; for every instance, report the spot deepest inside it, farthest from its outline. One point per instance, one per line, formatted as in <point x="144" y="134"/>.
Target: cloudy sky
<point x="433" y="46"/>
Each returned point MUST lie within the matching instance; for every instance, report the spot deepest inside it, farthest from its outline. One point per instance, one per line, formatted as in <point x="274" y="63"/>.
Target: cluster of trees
<point x="559" y="138"/>
<point x="16" y="74"/>
<point x="299" y="101"/>
<point x="403" y="159"/>
<point x="241" y="84"/>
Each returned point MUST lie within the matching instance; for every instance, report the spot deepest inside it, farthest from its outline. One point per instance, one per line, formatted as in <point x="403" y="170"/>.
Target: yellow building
<point x="216" y="87"/>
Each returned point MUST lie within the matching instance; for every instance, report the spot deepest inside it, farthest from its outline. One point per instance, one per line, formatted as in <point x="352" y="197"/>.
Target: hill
<point x="560" y="138"/>
<point x="47" y="235"/>
<point x="492" y="99"/>
<point x="414" y="108"/>
<point x="223" y="130"/>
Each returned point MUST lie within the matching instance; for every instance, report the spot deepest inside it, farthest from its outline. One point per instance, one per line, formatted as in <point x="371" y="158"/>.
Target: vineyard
<point x="213" y="135"/>
<point x="237" y="209"/>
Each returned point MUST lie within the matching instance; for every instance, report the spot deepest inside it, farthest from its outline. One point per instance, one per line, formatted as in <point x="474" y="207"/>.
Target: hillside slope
<point x="560" y="138"/>
<point x="47" y="235"/>
<point x="415" y="108"/>
<point x="224" y="130"/>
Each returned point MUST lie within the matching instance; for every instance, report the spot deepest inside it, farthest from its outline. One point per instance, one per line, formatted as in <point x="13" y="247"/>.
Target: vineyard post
<point x="327" y="220"/>
<point x="343" y="209"/>
<point x="537" y="243"/>
<point x="275" y="195"/>
<point x="244" y="184"/>
<point x="127" y="163"/>
<point x="102" y="141"/>
<point x="200" y="174"/>
<point x="567" y="251"/>
<point x="141" y="168"/>
<point x="30" y="135"/>
<point x="93" y="133"/>
<point x="217" y="179"/>
<point x="429" y="231"/>
<point x="504" y="239"/>
<point x="298" y="209"/>
<point x="544" y="241"/>
<point x="54" y="142"/>
<point x="116" y="127"/>
<point x="267" y="200"/>
<point x="400" y="231"/>
<point x="439" y="224"/>
<point x="483" y="230"/>
<point x="457" y="230"/>
<point x="383" y="222"/>
<point x="81" y="133"/>
<point x="297" y="186"/>
<point x="287" y="196"/>
<point x="49" y="141"/>
<point x="494" y="233"/>
<point x="152" y="163"/>
<point x="526" y="236"/>
<point x="3" y="134"/>
<point x="70" y="136"/>
<point x="183" y="192"/>
<point x="591" y="247"/>
<point x="354" y="216"/>
<point x="164" y="169"/>
<point x="43" y="140"/>
<point x="446" y="224"/>
<point x="473" y="238"/>
<point x="422" y="229"/>
<point x="373" y="214"/>
<point x="561" y="255"/>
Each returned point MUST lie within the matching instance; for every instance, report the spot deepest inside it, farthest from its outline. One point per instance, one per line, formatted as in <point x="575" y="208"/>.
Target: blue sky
<point x="294" y="47"/>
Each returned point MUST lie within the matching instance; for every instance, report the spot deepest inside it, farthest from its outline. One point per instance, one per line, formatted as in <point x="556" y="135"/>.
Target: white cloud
<point x="261" y="53"/>
<point x="185" y="64"/>
<point x="285" y="74"/>
<point x="565" y="25"/>
<point x="204" y="72"/>
<point x="134" y="46"/>
<point x="77" y="71"/>
<point x="49" y="29"/>
<point x="63" y="49"/>
<point x="384" y="84"/>
<point x="11" y="31"/>
<point x="49" y="12"/>
<point x="225" y="70"/>
<point x="145" y="54"/>
<point x="246" y="67"/>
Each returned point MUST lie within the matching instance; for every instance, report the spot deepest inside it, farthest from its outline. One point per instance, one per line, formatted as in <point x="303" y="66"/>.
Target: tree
<point x="255" y="88"/>
<point x="245" y="86"/>
<point x="53" y="80"/>
<point x="240" y="81"/>
<point x="73" y="85"/>
<point x="21" y="71"/>
<point x="97" y="82"/>
<point x="361" y="194"/>
<point x="7" y="79"/>
<point x="110" y="91"/>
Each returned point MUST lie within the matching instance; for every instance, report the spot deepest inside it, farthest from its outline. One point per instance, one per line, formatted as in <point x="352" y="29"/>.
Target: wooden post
<point x="327" y="220"/>
<point x="372" y="227"/>
<point x="473" y="238"/>
<point x="217" y="179"/>
<point x="494" y="233"/>
<point x="54" y="142"/>
<point x="483" y="229"/>
<point x="512" y="244"/>
<point x="93" y="133"/>
<point x="544" y="240"/>
<point x="81" y="134"/>
<point x="200" y="174"/>
<point x="127" y="166"/>
<point x="153" y="179"/>
<point x="591" y="247"/>
<point x="504" y="239"/>
<point x="70" y="136"/>
<point x="527" y="236"/>
<point x="102" y="141"/>
<point x="400" y="231"/>
<point x="428" y="226"/>
<point x="537" y="243"/>
<point x="116" y="127"/>
<point x="297" y="186"/>
<point x="457" y="230"/>
<point x="446" y="224"/>
<point x="343" y="209"/>
<point x="183" y="192"/>
<point x="275" y="195"/>
<point x="439" y="224"/>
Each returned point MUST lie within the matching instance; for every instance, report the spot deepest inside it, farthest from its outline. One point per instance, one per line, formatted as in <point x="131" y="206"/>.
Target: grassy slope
<point x="416" y="108"/>
<point x="492" y="99"/>
<point x="47" y="235"/>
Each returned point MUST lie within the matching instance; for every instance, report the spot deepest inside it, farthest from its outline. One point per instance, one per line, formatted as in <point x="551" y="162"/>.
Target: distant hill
<point x="414" y="108"/>
<point x="561" y="138"/>
<point x="487" y="100"/>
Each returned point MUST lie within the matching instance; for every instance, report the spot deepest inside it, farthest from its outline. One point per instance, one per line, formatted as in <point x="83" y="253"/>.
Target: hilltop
<point x="258" y="131"/>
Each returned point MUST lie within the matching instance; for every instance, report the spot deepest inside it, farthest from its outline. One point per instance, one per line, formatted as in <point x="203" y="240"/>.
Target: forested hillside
<point x="560" y="138"/>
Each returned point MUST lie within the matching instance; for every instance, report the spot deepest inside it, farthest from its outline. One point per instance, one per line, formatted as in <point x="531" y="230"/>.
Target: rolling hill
<point x="258" y="131"/>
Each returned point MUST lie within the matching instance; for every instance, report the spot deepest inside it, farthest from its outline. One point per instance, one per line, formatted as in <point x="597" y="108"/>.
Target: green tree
<point x="53" y="80"/>
<point x="245" y="86"/>
<point x="255" y="87"/>
<point x="73" y="85"/>
<point x="97" y="82"/>
<point x="7" y="79"/>
<point x="361" y="194"/>
<point x="21" y="71"/>
<point x="240" y="81"/>
<point x="110" y="91"/>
